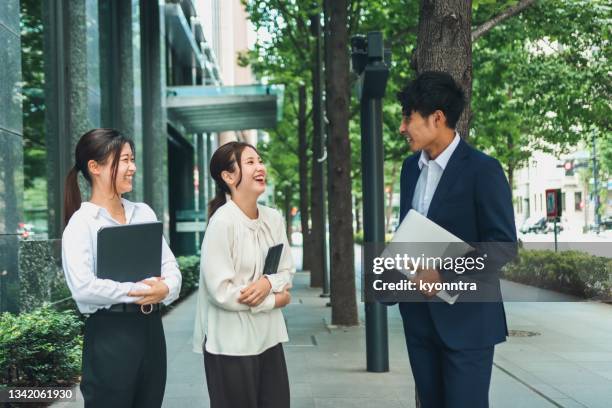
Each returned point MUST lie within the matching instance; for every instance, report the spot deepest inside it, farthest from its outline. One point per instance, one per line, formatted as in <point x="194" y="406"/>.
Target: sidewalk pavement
<point x="560" y="356"/>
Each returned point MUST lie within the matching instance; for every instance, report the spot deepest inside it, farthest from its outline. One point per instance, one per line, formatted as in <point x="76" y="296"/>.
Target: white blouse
<point x="79" y="253"/>
<point x="233" y="255"/>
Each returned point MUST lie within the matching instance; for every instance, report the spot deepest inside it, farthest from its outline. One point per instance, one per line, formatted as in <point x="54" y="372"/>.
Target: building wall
<point x="11" y="153"/>
<point x="227" y="28"/>
<point x="544" y="172"/>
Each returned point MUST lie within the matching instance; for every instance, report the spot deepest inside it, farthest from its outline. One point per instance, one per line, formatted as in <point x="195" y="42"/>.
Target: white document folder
<point x="421" y="232"/>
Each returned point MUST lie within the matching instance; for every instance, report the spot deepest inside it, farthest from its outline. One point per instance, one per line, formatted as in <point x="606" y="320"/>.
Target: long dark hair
<point x="225" y="158"/>
<point x="97" y="145"/>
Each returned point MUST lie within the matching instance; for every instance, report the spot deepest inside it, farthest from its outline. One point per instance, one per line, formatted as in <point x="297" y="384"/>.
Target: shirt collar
<point x="95" y="210"/>
<point x="444" y="157"/>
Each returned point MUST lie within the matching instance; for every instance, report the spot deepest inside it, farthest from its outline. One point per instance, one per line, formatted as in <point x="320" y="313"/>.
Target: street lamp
<point x="368" y="61"/>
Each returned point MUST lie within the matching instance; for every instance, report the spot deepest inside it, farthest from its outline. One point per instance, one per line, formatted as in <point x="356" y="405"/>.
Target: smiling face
<point x="419" y="131"/>
<point x="103" y="172"/>
<point x="125" y="170"/>
<point x="251" y="180"/>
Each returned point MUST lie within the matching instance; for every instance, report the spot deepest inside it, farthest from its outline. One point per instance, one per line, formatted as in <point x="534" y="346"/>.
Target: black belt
<point x="132" y="308"/>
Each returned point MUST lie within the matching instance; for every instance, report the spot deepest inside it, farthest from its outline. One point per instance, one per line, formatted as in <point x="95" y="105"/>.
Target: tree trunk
<point x="444" y="43"/>
<point x="357" y="215"/>
<point x="343" y="296"/>
<point x="288" y="217"/>
<point x="317" y="232"/>
<point x="303" y="169"/>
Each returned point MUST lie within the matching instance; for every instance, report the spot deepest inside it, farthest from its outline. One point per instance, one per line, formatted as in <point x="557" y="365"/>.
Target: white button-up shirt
<point x="431" y="172"/>
<point x="79" y="254"/>
<point x="233" y="255"/>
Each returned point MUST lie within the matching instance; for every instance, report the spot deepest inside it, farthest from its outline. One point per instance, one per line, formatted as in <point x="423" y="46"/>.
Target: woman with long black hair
<point x="124" y="348"/>
<point x="239" y="325"/>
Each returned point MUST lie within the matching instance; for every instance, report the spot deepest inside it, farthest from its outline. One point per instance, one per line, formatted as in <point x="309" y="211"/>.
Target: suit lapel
<point x="449" y="177"/>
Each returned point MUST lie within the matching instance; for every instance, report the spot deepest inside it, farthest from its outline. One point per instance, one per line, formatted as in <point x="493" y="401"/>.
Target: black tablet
<point x="273" y="259"/>
<point x="129" y="253"/>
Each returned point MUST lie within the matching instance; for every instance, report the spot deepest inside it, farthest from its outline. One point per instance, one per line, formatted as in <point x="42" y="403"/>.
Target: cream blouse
<point x="233" y="255"/>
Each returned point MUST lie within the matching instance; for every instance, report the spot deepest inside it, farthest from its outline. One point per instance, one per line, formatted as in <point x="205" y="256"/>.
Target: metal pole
<point x="596" y="219"/>
<point x="318" y="116"/>
<point x="377" y="342"/>
<point x="555" y="231"/>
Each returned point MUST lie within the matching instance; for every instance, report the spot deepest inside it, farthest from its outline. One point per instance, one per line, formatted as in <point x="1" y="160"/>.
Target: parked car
<point x="534" y="224"/>
<point x="606" y="223"/>
<point x="550" y="226"/>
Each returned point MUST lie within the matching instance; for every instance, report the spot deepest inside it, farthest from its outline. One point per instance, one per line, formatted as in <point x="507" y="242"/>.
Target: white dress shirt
<point x="233" y="256"/>
<point x="431" y="172"/>
<point x="79" y="253"/>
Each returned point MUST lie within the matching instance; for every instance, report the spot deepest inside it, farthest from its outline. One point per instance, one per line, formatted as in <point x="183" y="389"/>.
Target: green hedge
<point x="573" y="272"/>
<point x="43" y="347"/>
<point x="40" y="348"/>
<point x="190" y="269"/>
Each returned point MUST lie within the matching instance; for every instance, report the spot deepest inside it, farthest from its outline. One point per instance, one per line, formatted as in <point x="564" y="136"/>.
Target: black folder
<point x="273" y="259"/>
<point x="129" y="253"/>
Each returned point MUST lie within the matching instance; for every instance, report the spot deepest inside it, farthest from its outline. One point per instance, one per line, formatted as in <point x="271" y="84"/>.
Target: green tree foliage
<point x="541" y="81"/>
<point x="33" y="94"/>
<point x="283" y="54"/>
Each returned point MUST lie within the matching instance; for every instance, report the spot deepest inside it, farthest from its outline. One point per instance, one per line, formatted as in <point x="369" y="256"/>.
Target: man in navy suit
<point x="466" y="192"/>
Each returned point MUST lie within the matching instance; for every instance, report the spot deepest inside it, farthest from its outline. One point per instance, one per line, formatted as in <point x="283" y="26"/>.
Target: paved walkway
<point x="567" y="362"/>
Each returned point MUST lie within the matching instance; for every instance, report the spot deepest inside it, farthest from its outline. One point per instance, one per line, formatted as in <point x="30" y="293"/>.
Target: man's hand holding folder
<point x="423" y="235"/>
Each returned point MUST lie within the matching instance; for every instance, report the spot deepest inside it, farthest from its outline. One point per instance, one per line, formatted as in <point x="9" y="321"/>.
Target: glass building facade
<point x="72" y="65"/>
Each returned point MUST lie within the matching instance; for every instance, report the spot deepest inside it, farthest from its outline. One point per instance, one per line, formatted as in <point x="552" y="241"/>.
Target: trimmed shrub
<point x="40" y="348"/>
<point x="190" y="269"/>
<point x="572" y="272"/>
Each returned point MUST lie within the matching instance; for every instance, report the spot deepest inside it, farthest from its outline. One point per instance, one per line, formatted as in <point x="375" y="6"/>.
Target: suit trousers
<point x="258" y="381"/>
<point x="445" y="377"/>
<point x="124" y="360"/>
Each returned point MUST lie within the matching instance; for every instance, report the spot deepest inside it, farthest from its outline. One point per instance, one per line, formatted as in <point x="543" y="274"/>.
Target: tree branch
<point x="485" y="27"/>
<point x="287" y="17"/>
<point x="354" y="16"/>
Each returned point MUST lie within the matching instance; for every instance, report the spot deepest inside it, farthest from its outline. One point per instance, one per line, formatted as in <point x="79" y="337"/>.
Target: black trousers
<point x="258" y="381"/>
<point x="124" y="360"/>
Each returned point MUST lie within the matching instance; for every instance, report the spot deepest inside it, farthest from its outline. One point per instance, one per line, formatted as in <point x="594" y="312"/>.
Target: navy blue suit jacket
<point x="473" y="201"/>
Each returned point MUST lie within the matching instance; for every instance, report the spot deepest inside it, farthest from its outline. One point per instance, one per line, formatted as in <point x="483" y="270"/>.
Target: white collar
<point x="444" y="157"/>
<point x="94" y="209"/>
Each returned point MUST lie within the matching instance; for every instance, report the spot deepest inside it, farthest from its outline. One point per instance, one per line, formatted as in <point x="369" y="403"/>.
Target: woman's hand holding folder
<point x="156" y="292"/>
<point x="255" y="293"/>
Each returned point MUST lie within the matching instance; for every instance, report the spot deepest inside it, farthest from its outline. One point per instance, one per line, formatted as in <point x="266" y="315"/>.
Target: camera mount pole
<point x="368" y="61"/>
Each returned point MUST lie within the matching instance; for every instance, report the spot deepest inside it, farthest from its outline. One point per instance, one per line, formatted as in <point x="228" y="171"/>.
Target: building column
<point x="201" y="155"/>
<point x="211" y="146"/>
<point x="155" y="144"/>
<point x="118" y="62"/>
<point x="65" y="54"/>
<point x="11" y="154"/>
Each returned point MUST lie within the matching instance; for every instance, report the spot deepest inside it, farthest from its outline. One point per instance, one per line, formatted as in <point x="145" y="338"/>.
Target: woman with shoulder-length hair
<point x="239" y="325"/>
<point x="124" y="349"/>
